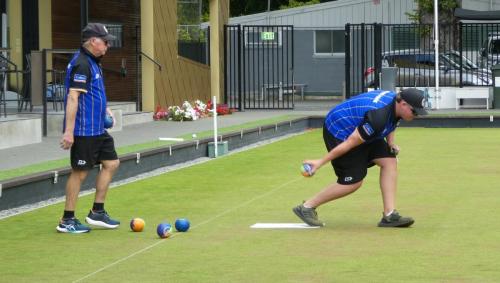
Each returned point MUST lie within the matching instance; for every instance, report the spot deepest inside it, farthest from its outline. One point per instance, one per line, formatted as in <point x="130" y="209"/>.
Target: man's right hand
<point x="315" y="165"/>
<point x="67" y="140"/>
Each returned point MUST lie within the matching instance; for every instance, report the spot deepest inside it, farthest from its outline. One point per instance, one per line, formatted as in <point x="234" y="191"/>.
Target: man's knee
<point x="388" y="162"/>
<point x="111" y="165"/>
<point x="78" y="175"/>
<point x="352" y="187"/>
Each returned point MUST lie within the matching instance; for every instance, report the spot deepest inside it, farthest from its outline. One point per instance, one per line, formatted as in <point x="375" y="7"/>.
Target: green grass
<point x="448" y="182"/>
<point x="54" y="164"/>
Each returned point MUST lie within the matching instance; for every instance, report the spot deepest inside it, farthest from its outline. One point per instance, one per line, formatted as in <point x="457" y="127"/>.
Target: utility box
<point x="221" y="149"/>
<point x="495" y="70"/>
<point x="388" y="78"/>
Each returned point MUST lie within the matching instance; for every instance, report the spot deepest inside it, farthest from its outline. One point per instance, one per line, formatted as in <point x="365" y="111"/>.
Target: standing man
<point x="358" y="134"/>
<point x="85" y="111"/>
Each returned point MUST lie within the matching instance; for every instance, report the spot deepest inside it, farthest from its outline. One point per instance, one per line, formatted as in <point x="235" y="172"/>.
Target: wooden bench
<point x="472" y="93"/>
<point x="282" y="89"/>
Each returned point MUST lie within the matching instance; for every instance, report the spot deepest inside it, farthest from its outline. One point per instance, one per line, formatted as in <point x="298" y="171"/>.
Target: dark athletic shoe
<point x="395" y="220"/>
<point x="72" y="225"/>
<point x="308" y="215"/>
<point x="101" y="218"/>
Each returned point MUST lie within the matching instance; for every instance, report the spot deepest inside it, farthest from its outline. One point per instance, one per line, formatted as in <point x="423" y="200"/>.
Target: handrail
<point x="151" y="59"/>
<point x="8" y="61"/>
<point x="6" y="71"/>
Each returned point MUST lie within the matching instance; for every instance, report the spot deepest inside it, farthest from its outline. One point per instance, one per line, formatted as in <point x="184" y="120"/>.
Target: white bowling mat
<point x="282" y="226"/>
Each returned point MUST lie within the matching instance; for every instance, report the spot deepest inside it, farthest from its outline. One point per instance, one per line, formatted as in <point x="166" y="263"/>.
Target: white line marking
<point x="194" y="227"/>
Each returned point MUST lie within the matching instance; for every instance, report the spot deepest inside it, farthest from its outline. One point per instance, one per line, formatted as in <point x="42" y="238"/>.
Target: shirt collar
<point x="88" y="53"/>
<point x="393" y="112"/>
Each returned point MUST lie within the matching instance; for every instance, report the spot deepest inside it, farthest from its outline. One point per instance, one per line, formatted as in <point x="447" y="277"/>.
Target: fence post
<point x="44" y="92"/>
<point x="240" y="103"/>
<point x="347" y="47"/>
<point x="363" y="56"/>
<point x="377" y="49"/>
<point x="226" y="101"/>
<point x="461" y="52"/>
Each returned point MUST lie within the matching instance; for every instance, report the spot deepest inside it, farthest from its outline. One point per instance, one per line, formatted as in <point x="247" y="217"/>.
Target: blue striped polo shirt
<point x="85" y="75"/>
<point x="373" y="113"/>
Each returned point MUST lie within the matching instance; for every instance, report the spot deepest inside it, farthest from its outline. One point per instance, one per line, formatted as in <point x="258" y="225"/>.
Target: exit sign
<point x="267" y="35"/>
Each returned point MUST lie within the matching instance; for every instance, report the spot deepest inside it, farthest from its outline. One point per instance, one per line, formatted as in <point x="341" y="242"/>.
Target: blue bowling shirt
<point x="372" y="113"/>
<point x="84" y="74"/>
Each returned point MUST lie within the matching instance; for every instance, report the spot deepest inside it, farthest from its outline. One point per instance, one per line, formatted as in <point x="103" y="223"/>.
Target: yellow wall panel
<point x="180" y="79"/>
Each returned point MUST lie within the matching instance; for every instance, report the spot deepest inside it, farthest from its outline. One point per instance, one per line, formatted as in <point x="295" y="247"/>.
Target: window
<point x="116" y="30"/>
<point x="329" y="42"/>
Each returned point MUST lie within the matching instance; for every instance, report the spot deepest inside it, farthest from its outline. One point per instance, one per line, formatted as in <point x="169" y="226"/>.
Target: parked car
<point x="490" y="50"/>
<point x="417" y="68"/>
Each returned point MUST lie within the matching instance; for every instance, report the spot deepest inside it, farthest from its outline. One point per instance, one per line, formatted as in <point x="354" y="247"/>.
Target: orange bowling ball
<point x="137" y="224"/>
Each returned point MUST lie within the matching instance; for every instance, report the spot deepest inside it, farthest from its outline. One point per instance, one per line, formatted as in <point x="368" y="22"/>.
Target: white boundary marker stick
<point x="171" y="139"/>
<point x="216" y="153"/>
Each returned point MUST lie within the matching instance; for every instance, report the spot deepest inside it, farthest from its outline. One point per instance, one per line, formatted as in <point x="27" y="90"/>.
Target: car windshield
<point x="454" y="60"/>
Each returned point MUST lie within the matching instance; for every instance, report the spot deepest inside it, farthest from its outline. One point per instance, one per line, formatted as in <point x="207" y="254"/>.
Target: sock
<point x="68" y="214"/>
<point x="390" y="212"/>
<point x="98" y="206"/>
<point x="307" y="206"/>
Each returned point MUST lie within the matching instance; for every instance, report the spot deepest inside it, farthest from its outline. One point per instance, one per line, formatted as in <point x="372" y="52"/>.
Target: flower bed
<point x="190" y="111"/>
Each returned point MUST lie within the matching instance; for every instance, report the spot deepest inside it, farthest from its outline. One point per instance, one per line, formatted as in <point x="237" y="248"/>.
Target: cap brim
<point x="109" y="37"/>
<point x="420" y="111"/>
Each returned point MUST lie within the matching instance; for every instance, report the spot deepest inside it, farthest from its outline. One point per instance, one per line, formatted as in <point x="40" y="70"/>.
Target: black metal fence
<point x="258" y="62"/>
<point x="466" y="53"/>
<point x="196" y="49"/>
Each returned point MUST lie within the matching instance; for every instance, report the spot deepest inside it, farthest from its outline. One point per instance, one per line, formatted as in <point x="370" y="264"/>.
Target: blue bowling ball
<point x="182" y="225"/>
<point x="108" y="121"/>
<point x="164" y="230"/>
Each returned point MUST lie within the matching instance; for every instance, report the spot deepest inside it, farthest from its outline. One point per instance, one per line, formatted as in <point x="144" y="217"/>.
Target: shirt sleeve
<point x="373" y="124"/>
<point x="79" y="77"/>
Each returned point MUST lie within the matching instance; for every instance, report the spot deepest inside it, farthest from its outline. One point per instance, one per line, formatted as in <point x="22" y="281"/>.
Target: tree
<point x="298" y="3"/>
<point x="248" y="7"/>
<point x="424" y="14"/>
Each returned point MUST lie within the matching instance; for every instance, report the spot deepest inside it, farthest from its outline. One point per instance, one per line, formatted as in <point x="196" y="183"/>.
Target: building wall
<point x="180" y="79"/>
<point x="334" y="14"/>
<point x="15" y="34"/>
<point x="325" y="74"/>
<point x="481" y="5"/>
<point x="66" y="32"/>
<point x="321" y="74"/>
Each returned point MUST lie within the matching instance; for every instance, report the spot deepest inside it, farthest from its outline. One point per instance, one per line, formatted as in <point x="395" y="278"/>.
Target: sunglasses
<point x="413" y="111"/>
<point x="106" y="42"/>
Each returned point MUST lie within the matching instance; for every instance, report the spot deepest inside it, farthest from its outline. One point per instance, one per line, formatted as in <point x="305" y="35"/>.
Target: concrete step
<point x="124" y="106"/>
<point x="133" y="118"/>
<point x="18" y="131"/>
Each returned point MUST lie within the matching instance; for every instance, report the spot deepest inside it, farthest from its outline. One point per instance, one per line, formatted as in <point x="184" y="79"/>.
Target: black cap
<point x="96" y="30"/>
<point x="415" y="98"/>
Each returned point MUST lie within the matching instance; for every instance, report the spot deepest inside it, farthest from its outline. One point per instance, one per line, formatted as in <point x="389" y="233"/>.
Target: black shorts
<point x="89" y="151"/>
<point x="352" y="167"/>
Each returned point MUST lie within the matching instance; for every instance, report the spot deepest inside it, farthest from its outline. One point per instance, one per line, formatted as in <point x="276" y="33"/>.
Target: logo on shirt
<point x="368" y="129"/>
<point x="378" y="97"/>
<point x="97" y="76"/>
<point x="79" y="78"/>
